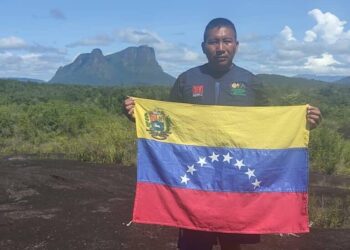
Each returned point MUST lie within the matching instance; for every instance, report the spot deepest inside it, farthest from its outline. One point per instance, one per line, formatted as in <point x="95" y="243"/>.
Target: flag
<point x="222" y="169"/>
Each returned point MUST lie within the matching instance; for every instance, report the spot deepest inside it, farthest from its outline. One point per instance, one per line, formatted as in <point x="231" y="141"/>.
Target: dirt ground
<point x="62" y="204"/>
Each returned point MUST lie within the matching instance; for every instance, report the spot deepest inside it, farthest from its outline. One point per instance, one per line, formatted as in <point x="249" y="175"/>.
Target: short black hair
<point x="218" y="23"/>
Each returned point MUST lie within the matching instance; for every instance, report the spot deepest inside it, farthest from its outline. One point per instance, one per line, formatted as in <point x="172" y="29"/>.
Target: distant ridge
<point x="131" y="66"/>
<point x="23" y="79"/>
<point x="324" y="78"/>
<point x="280" y="80"/>
<point x="345" y="81"/>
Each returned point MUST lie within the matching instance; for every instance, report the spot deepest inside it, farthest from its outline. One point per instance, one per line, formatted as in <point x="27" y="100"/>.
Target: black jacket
<point x="237" y="87"/>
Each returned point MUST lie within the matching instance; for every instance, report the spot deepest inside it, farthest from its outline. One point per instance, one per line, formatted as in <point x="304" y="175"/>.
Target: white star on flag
<point x="184" y="179"/>
<point x="239" y="164"/>
<point x="227" y="157"/>
<point x="191" y="169"/>
<point x="201" y="161"/>
<point x="256" y="183"/>
<point x="214" y="157"/>
<point x="250" y="173"/>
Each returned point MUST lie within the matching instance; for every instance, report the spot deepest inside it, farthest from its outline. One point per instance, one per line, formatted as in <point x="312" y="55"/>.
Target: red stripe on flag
<point x="269" y="212"/>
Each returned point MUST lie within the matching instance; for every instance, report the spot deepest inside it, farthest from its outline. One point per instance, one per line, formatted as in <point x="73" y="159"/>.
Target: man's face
<point x="220" y="47"/>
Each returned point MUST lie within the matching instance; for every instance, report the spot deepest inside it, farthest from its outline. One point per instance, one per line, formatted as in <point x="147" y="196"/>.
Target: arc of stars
<point x="239" y="164"/>
<point x="250" y="173"/>
<point x="214" y="157"/>
<point x="256" y="183"/>
<point x="227" y="157"/>
<point x="191" y="169"/>
<point x="201" y="161"/>
<point x="184" y="179"/>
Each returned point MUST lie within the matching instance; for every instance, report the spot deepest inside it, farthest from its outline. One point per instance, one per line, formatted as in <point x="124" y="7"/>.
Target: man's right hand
<point x="129" y="105"/>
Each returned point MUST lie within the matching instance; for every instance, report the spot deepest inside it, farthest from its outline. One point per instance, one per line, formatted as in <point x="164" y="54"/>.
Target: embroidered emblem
<point x="197" y="90"/>
<point x="158" y="124"/>
<point x="238" y="89"/>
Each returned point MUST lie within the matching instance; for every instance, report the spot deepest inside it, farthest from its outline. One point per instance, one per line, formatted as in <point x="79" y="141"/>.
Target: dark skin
<point x="220" y="47"/>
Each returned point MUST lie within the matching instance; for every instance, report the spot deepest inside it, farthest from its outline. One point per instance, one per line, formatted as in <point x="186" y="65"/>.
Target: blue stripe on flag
<point x="223" y="169"/>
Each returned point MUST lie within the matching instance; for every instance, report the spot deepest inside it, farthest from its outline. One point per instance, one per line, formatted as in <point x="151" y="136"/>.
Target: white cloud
<point x="12" y="42"/>
<point x="8" y="58"/>
<point x="328" y="25"/>
<point x="35" y="65"/>
<point x="290" y="55"/>
<point x="190" y="55"/>
<point x="31" y="56"/>
<point x="320" y="64"/>
<point x="250" y="52"/>
<point x="324" y="49"/>
<point x="310" y="36"/>
<point x="287" y="34"/>
<point x="139" y="37"/>
<point x="19" y="58"/>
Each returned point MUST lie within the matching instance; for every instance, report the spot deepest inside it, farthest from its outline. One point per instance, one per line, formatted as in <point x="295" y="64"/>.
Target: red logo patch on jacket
<point x="197" y="90"/>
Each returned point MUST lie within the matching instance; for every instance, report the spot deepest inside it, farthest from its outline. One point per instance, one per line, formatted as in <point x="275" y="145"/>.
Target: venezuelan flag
<point x="223" y="169"/>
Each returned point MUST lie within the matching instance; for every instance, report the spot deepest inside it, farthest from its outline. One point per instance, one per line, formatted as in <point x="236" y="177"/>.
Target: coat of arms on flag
<point x="158" y="124"/>
<point x="223" y="169"/>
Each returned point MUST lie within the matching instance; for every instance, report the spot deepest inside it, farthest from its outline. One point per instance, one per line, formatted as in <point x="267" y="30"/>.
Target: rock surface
<point x="62" y="204"/>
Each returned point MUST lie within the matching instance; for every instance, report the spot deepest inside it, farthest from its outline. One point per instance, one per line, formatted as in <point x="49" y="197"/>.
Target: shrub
<point x="326" y="149"/>
<point x="328" y="212"/>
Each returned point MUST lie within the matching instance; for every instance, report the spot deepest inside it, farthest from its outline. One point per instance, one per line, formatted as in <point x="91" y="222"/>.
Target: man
<point x="219" y="82"/>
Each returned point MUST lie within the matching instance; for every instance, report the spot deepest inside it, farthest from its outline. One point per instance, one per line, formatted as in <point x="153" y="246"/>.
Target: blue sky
<point x="281" y="37"/>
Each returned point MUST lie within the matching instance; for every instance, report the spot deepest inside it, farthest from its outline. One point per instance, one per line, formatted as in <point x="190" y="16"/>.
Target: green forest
<point x="87" y="123"/>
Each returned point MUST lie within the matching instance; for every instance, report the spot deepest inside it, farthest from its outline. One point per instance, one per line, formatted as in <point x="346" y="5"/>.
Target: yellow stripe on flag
<point x="223" y="126"/>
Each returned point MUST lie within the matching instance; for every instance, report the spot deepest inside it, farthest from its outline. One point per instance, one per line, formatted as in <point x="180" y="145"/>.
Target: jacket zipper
<point x="217" y="92"/>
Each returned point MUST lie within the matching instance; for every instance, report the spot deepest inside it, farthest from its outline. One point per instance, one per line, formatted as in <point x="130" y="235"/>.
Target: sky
<point x="286" y="37"/>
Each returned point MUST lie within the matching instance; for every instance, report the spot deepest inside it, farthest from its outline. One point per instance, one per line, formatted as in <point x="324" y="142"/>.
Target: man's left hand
<point x="314" y="116"/>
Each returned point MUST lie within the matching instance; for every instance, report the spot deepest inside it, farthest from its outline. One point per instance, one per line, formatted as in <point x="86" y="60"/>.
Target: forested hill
<point x="86" y="122"/>
<point x="345" y="80"/>
<point x="333" y="99"/>
<point x="291" y="81"/>
<point x="324" y="78"/>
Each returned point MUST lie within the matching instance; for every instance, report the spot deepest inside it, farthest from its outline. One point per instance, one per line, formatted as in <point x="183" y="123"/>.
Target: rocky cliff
<point x="131" y="66"/>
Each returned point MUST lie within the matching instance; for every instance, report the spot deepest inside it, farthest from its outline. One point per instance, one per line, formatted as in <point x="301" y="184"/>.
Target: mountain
<point x="323" y="78"/>
<point x="23" y="79"/>
<point x="279" y="80"/>
<point x="131" y="66"/>
<point x="345" y="81"/>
